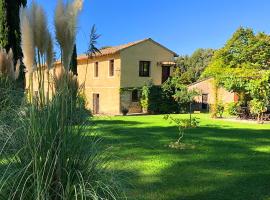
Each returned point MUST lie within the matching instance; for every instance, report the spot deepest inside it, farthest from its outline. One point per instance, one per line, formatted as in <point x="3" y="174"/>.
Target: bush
<point x="161" y="102"/>
<point x="257" y="108"/>
<point x="217" y="110"/>
<point x="145" y="97"/>
<point x="220" y="109"/>
<point x="232" y="108"/>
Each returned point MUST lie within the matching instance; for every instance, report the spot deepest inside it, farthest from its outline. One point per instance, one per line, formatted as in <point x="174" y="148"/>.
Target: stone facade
<point x="126" y="102"/>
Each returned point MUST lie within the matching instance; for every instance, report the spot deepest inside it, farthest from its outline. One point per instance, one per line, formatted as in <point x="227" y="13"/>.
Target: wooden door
<point x="165" y="73"/>
<point x="95" y="103"/>
<point x="205" y="102"/>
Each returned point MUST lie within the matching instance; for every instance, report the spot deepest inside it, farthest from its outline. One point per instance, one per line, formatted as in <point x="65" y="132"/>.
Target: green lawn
<point x="231" y="161"/>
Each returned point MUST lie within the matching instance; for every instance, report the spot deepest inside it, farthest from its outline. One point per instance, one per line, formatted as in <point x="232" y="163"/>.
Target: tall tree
<point x="10" y="36"/>
<point x="243" y="57"/>
<point x="191" y="67"/>
<point x="73" y="62"/>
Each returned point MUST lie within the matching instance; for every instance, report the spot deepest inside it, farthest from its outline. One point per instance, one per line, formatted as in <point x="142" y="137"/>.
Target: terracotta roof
<point x="117" y="49"/>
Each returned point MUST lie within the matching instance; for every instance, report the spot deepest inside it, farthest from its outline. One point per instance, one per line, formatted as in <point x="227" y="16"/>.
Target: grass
<point x="230" y="160"/>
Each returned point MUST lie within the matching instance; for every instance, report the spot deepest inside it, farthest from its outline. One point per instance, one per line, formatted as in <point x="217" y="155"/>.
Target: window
<point x="96" y="69"/>
<point x="144" y="70"/>
<point x="111" y="68"/>
<point x="135" y="96"/>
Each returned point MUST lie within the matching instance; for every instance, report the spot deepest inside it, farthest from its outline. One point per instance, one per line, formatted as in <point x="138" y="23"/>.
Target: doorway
<point x="95" y="103"/>
<point x="205" y="102"/>
<point x="165" y="73"/>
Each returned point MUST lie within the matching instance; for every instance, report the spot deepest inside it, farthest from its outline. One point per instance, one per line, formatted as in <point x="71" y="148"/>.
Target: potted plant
<point x="124" y="111"/>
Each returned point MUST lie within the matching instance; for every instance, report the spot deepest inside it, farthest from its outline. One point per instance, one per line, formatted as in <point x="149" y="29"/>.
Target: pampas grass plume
<point x="27" y="41"/>
<point x="7" y="64"/>
<point x="65" y="20"/>
<point x="40" y="25"/>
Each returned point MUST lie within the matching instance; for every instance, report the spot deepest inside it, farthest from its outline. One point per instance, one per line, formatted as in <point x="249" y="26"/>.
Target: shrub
<point x="145" y="97"/>
<point x="217" y="110"/>
<point x="161" y="102"/>
<point x="232" y="108"/>
<point x="220" y="109"/>
<point x="257" y="107"/>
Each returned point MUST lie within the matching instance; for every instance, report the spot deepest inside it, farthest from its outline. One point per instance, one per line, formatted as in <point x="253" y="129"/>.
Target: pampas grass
<point x="46" y="156"/>
<point x="37" y="47"/>
<point x="65" y="21"/>
<point x="27" y="45"/>
<point x="7" y="65"/>
<point x="40" y="29"/>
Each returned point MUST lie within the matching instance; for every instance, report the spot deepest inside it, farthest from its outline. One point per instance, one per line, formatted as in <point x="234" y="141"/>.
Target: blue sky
<point x="181" y="25"/>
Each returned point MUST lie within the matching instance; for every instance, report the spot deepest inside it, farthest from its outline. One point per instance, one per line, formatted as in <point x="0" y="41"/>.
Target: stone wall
<point x="126" y="102"/>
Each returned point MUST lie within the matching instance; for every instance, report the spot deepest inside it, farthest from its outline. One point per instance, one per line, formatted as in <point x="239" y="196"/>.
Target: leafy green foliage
<point x="161" y="102"/>
<point x="3" y="24"/>
<point x="180" y="92"/>
<point x="192" y="66"/>
<point x="241" y="59"/>
<point x="257" y="107"/>
<point x="259" y="91"/>
<point x="182" y="124"/>
<point x="233" y="108"/>
<point x="145" y="96"/>
<point x="260" y="88"/>
<point x="220" y="109"/>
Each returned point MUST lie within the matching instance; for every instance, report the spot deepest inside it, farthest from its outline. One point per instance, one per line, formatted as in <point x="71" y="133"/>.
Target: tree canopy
<point x="245" y="56"/>
<point x="192" y="66"/>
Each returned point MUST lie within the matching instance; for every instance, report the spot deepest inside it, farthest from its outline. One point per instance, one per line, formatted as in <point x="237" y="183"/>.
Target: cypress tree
<point x="73" y="62"/>
<point x="3" y="24"/>
<point x="10" y="35"/>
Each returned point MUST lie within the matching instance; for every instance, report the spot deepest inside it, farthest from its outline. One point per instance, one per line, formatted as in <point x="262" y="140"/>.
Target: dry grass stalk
<point x="7" y="64"/>
<point x="27" y="45"/>
<point x="65" y="21"/>
<point x="40" y="25"/>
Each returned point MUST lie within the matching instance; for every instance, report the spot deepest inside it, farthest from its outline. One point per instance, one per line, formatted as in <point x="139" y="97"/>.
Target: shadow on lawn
<point x="224" y="165"/>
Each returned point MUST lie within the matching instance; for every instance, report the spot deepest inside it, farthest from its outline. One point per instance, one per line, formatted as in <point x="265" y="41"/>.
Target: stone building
<point x="113" y="77"/>
<point x="207" y="94"/>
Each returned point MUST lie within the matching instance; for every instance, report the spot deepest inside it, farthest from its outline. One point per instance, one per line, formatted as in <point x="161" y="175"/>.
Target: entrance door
<point x="95" y="103"/>
<point x="204" y="101"/>
<point x="165" y="73"/>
